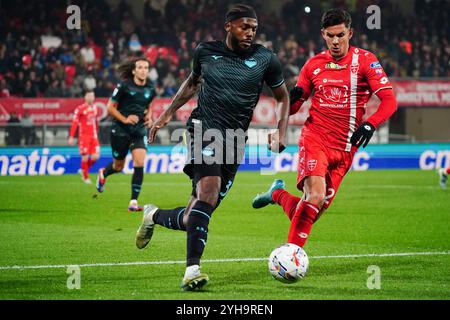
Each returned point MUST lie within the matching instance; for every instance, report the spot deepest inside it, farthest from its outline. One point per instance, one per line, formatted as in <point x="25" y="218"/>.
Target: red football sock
<point x="447" y="171"/>
<point x="85" y="168"/>
<point x="91" y="162"/>
<point x="301" y="223"/>
<point x="286" y="200"/>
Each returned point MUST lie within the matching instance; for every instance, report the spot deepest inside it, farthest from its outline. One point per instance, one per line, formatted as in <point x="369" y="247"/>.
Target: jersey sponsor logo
<point x="312" y="164"/>
<point x="335" y="66"/>
<point x="216" y="57"/>
<point x="379" y="71"/>
<point x="334" y="94"/>
<point x="375" y="65"/>
<point x="354" y="68"/>
<point x="332" y="80"/>
<point x="384" y="80"/>
<point x="251" y="62"/>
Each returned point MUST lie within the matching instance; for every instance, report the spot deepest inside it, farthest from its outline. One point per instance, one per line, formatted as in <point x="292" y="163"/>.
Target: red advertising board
<point x="57" y="110"/>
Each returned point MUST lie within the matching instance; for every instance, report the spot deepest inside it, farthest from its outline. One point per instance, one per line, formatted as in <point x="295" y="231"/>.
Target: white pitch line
<point x="140" y="263"/>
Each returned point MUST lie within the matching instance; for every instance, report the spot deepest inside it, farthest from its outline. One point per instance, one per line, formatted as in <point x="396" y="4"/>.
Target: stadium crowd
<point x="41" y="57"/>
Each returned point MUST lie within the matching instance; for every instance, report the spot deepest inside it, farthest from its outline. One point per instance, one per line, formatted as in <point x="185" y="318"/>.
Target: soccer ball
<point x="288" y="263"/>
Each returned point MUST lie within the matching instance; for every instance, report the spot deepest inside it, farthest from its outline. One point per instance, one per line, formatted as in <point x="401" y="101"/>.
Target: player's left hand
<point x="362" y="135"/>
<point x="276" y="144"/>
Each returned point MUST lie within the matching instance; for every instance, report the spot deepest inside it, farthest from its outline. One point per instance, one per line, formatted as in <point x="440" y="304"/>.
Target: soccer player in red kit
<point x="342" y="78"/>
<point x="86" y="118"/>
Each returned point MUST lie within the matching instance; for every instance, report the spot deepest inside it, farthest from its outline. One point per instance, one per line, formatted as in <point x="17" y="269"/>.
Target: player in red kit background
<point x="86" y="118"/>
<point x="341" y="79"/>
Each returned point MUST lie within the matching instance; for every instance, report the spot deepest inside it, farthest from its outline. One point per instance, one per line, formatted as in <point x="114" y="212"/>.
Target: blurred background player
<point x="129" y="105"/>
<point x="86" y="119"/>
<point x="230" y="74"/>
<point x="443" y="175"/>
<point x="342" y="78"/>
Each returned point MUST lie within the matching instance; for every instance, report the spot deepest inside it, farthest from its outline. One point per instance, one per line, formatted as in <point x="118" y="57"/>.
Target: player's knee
<point x="209" y="196"/>
<point x="118" y="166"/>
<point x="316" y="198"/>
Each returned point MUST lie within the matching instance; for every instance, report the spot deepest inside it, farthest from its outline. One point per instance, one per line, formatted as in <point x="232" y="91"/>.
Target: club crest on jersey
<point x="354" y="68"/>
<point x="312" y="164"/>
<point x="335" y="66"/>
<point x="251" y="62"/>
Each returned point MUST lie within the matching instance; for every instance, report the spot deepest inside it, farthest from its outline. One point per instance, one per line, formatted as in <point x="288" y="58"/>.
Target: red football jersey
<point x="341" y="90"/>
<point x="86" y="118"/>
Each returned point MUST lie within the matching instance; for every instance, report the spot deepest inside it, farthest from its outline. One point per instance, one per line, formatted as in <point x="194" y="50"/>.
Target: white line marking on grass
<point x="141" y="263"/>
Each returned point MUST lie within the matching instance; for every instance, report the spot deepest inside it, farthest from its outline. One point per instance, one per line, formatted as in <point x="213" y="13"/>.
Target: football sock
<point x="136" y="182"/>
<point x="197" y="231"/>
<point x="91" y="162"/>
<point x="286" y="200"/>
<point x="109" y="170"/>
<point x="85" y="168"/>
<point x="301" y="223"/>
<point x="171" y="219"/>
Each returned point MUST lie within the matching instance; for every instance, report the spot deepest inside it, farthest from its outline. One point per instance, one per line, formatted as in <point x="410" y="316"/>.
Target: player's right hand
<point x="158" y="124"/>
<point x="132" y="119"/>
<point x="276" y="144"/>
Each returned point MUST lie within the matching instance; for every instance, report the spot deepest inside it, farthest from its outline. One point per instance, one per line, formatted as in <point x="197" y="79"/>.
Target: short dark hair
<point x="334" y="17"/>
<point x="86" y="91"/>
<point x="126" y="69"/>
<point x="240" y="11"/>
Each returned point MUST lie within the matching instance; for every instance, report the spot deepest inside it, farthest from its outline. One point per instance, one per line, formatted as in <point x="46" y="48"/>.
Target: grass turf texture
<point x="56" y="221"/>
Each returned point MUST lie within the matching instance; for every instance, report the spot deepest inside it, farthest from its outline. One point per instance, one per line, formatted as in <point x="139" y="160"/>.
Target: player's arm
<point x="187" y="90"/>
<point x="112" y="107"/>
<point x="274" y="79"/>
<point x="148" y="118"/>
<point x="302" y="90"/>
<point x="365" y="130"/>
<point x="379" y="83"/>
<point x="277" y="140"/>
<point x="73" y="128"/>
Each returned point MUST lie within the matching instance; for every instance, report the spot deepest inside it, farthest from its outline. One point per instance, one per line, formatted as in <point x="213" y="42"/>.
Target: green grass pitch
<point x="51" y="222"/>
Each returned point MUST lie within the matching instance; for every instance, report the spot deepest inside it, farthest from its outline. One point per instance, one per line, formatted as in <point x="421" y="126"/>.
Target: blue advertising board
<point x="170" y="159"/>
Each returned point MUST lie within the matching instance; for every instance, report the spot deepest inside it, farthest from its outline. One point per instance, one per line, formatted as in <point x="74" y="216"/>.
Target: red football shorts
<point x="316" y="159"/>
<point x="88" y="145"/>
